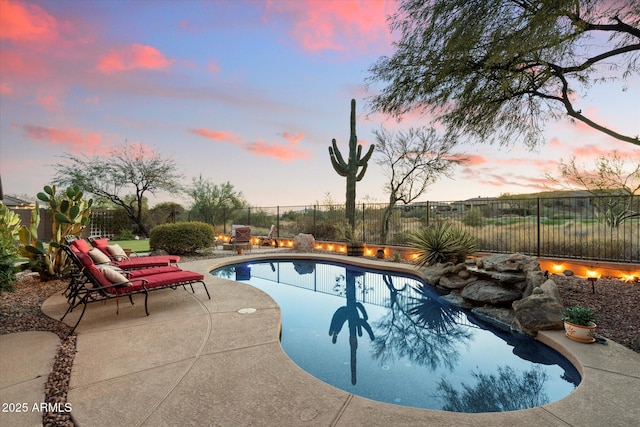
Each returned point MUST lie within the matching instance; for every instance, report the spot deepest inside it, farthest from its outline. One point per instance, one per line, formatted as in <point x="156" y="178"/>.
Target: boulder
<point x="501" y="318"/>
<point x="456" y="300"/>
<point x="542" y="310"/>
<point x="433" y="273"/>
<point x="304" y="242"/>
<point x="484" y="291"/>
<point x="455" y="282"/>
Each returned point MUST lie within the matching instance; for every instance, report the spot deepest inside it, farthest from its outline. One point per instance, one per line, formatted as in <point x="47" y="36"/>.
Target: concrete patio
<point x="195" y="361"/>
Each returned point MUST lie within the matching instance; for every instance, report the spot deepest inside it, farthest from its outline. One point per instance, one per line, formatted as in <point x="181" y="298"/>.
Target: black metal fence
<point x="603" y="228"/>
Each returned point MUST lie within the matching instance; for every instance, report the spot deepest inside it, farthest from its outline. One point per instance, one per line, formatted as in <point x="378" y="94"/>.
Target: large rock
<point x="501" y="318"/>
<point x="304" y="242"/>
<point x="487" y="292"/>
<point x="508" y="263"/>
<point x="433" y="273"/>
<point x="542" y="310"/>
<point x="455" y="282"/>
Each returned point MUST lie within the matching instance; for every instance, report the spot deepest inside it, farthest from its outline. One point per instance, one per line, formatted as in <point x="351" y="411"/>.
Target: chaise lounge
<point x="92" y="283"/>
<point x="103" y="253"/>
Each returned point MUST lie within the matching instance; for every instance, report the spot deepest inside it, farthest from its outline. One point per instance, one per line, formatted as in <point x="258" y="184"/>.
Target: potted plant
<point x="355" y="247"/>
<point x="580" y="323"/>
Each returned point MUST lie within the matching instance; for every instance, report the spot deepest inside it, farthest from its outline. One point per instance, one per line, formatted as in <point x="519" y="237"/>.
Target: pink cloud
<point x="472" y="160"/>
<point x="133" y="57"/>
<point x="320" y="25"/>
<point x="49" y="103"/>
<point x="285" y="152"/>
<point x="75" y="139"/>
<point x="293" y="139"/>
<point x="279" y="151"/>
<point x="218" y="135"/>
<point x="213" y="67"/>
<point x="5" y="89"/>
<point x="25" y="21"/>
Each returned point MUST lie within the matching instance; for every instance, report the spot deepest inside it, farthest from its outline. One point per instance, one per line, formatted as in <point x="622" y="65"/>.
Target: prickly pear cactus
<point x="71" y="214"/>
<point x="354" y="168"/>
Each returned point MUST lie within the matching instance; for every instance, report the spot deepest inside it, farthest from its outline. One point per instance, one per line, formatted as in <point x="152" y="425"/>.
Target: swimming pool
<point x="388" y="337"/>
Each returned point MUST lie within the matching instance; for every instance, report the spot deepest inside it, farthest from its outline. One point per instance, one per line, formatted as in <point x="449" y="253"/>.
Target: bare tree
<point x="129" y="167"/>
<point x="413" y="160"/>
<point x="612" y="182"/>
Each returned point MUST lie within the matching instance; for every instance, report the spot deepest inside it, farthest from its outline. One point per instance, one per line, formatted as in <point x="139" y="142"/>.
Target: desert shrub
<point x="442" y="243"/>
<point x="402" y="238"/>
<point x="324" y="231"/>
<point x="181" y="238"/>
<point x="8" y="258"/>
<point x="125" y="234"/>
<point x="474" y="218"/>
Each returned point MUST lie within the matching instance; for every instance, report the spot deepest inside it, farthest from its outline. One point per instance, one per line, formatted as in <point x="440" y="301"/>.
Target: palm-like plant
<point x="442" y="243"/>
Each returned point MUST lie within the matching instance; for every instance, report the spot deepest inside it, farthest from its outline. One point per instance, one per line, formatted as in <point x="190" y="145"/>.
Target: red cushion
<point x="100" y="243"/>
<point x="85" y="259"/>
<point x="172" y="278"/>
<point x="145" y="262"/>
<point x="80" y="245"/>
<point x="97" y="275"/>
<point x="150" y="271"/>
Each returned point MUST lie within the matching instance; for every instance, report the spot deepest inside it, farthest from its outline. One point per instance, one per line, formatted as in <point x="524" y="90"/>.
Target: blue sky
<point x="246" y="92"/>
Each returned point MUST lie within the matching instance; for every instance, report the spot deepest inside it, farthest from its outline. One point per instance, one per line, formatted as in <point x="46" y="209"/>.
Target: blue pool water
<point x="388" y="337"/>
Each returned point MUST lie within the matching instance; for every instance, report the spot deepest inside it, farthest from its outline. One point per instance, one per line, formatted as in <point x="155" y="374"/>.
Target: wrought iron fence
<point x="605" y="228"/>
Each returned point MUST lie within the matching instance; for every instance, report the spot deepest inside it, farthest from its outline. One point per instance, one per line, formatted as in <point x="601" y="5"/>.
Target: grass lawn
<point x="134" y="245"/>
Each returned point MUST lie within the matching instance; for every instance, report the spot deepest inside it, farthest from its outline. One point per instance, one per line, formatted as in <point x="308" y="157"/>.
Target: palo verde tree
<point x="353" y="169"/>
<point x="412" y="161"/>
<point x="498" y="70"/>
<point x="211" y="201"/>
<point x="131" y="167"/>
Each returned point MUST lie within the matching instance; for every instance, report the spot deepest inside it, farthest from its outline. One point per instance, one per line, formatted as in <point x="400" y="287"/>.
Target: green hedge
<point x="181" y="238"/>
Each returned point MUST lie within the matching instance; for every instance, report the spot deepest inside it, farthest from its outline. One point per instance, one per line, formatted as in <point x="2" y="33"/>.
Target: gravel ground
<point x="616" y="302"/>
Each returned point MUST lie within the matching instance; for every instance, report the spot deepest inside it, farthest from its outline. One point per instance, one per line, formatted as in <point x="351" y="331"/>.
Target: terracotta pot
<point x="580" y="333"/>
<point x="380" y="254"/>
<point x="240" y="251"/>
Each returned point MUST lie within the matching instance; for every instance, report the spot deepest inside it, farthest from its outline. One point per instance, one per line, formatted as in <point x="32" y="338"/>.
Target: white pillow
<point x="115" y="277"/>
<point x="98" y="256"/>
<point x="110" y="267"/>
<point x="117" y="252"/>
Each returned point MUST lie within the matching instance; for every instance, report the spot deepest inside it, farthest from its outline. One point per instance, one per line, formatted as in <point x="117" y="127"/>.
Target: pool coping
<point x="199" y="361"/>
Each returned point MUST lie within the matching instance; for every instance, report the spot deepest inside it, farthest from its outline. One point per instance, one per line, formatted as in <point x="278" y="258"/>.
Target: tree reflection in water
<point x="421" y="329"/>
<point x="507" y="391"/>
<point x="350" y="314"/>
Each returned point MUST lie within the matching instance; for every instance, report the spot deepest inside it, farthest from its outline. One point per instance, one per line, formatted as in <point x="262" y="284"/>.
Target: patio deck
<point x="195" y="361"/>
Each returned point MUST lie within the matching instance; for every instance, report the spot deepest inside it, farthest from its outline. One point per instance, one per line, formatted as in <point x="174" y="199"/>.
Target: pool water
<point x="388" y="337"/>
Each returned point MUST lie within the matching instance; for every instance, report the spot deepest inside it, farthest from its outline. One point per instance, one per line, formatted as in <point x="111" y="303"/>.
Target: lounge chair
<point x="121" y="260"/>
<point x="269" y="239"/>
<point x="91" y="283"/>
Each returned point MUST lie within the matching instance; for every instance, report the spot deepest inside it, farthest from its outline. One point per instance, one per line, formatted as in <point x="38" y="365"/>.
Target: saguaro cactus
<point x="350" y="168"/>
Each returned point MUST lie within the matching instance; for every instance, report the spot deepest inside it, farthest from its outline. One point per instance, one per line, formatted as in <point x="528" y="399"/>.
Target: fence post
<point x="364" y="238"/>
<point x="428" y="210"/>
<point x="538" y="215"/>
<point x="315" y="208"/>
<point x="278" y="221"/>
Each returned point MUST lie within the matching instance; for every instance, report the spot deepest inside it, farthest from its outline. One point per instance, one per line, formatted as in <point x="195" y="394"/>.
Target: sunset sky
<point x="249" y="92"/>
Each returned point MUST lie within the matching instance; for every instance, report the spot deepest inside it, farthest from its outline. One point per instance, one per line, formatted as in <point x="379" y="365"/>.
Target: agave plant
<point x="442" y="242"/>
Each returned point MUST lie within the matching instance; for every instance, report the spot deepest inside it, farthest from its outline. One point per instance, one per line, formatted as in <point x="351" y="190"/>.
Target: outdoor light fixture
<point x="592" y="276"/>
